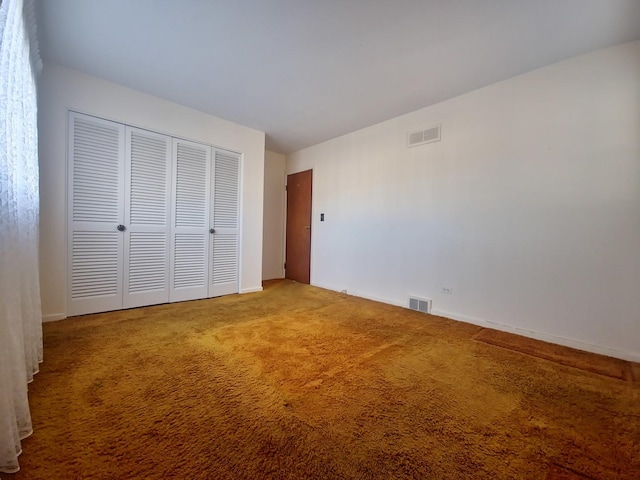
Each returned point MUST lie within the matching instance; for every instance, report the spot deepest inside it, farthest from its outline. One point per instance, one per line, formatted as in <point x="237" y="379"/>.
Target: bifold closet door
<point x="147" y="223"/>
<point x="95" y="215"/>
<point x="191" y="198"/>
<point x="151" y="218"/>
<point x="225" y="217"/>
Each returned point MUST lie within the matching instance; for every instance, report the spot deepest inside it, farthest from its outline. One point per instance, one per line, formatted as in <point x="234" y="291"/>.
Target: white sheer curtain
<point x="20" y="314"/>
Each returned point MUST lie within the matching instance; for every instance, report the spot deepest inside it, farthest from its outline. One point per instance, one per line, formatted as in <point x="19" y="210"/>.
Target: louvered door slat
<point x="225" y="259"/>
<point x="224" y="247"/>
<point x="190" y="221"/>
<point x="149" y="179"/>
<point x="225" y="204"/>
<point x="96" y="174"/>
<point x="190" y="261"/>
<point x="147" y="262"/>
<point x="97" y="168"/>
<point x="147" y="213"/>
<point x="101" y="275"/>
<point x="192" y="186"/>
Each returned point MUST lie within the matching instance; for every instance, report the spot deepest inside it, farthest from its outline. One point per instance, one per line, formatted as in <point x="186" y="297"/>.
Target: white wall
<point x="528" y="209"/>
<point x="61" y="89"/>
<point x="274" y="211"/>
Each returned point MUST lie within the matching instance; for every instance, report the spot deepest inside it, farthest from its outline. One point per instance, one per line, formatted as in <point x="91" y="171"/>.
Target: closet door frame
<point x="148" y="264"/>
<point x="225" y="281"/>
<point x="121" y="299"/>
<point x="90" y="234"/>
<point x="194" y="284"/>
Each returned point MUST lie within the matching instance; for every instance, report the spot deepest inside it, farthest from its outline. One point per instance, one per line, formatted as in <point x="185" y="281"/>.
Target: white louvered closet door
<point x="225" y="217"/>
<point x="147" y="218"/>
<point x="95" y="210"/>
<point x="190" y="221"/>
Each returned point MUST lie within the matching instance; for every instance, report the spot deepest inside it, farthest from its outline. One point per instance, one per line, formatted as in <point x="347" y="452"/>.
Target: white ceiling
<point x="305" y="71"/>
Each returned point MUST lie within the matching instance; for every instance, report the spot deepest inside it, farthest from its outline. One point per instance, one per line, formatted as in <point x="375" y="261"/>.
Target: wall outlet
<point x="447" y="290"/>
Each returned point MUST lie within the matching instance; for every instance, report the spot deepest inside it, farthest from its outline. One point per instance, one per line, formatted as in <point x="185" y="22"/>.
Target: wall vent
<point x="420" y="304"/>
<point x="422" y="137"/>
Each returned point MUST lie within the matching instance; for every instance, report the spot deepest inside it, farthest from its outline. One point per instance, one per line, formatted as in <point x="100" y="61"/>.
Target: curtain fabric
<point x="20" y="313"/>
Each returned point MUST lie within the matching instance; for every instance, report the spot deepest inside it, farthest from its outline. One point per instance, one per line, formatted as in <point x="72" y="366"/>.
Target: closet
<point x="152" y="218"/>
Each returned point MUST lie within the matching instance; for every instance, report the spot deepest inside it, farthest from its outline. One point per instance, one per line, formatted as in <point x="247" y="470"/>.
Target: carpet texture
<point x="297" y="382"/>
<point x="559" y="473"/>
<point x="611" y="367"/>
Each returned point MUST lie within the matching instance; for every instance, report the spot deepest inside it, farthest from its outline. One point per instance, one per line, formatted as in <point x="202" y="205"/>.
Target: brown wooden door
<point x="298" y="256"/>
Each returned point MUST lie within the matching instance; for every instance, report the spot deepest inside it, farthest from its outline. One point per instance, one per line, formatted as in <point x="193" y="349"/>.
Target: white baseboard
<point x="376" y="299"/>
<point x="53" y="317"/>
<point x="279" y="276"/>
<point x="355" y="293"/>
<point x="251" y="290"/>
<point x="567" y="342"/>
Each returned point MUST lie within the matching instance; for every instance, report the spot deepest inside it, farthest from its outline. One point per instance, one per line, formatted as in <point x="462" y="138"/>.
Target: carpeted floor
<point x="611" y="367"/>
<point x="298" y="382"/>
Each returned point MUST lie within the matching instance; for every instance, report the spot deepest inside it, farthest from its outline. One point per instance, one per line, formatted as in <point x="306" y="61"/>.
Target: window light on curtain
<point x="20" y="313"/>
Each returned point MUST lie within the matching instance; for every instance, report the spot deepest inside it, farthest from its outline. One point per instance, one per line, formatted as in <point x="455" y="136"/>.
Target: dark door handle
<point x="212" y="230"/>
<point x="121" y="228"/>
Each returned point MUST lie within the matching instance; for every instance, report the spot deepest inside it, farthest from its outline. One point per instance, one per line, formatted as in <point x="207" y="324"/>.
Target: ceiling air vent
<point x="421" y="137"/>
<point x="420" y="304"/>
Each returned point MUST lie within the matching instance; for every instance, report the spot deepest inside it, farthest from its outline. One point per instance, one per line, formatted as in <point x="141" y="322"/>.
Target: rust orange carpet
<point x="611" y="367"/>
<point x="297" y="382"/>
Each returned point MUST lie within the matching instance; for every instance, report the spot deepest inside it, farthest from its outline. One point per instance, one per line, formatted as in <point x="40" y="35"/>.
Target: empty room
<point x="280" y="239"/>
